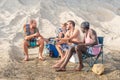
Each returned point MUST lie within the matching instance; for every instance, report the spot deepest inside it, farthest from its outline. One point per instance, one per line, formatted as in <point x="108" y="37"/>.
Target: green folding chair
<point x="94" y="59"/>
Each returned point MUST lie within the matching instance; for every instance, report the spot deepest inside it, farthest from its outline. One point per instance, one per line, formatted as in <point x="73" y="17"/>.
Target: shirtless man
<point x="89" y="42"/>
<point x="32" y="39"/>
<point x="72" y="34"/>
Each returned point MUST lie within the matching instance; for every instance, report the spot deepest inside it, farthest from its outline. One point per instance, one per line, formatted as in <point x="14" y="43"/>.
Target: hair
<point x="72" y="22"/>
<point x="64" y="24"/>
<point x="85" y="25"/>
<point x="32" y="21"/>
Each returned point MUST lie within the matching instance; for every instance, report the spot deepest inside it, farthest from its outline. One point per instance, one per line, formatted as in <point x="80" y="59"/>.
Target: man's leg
<point x="80" y="49"/>
<point x="59" y="50"/>
<point x="25" y="47"/>
<point x="41" y="47"/>
<point x="58" y="64"/>
<point x="67" y="58"/>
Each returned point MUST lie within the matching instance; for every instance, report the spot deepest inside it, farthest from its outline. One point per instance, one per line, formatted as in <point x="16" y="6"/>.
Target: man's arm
<point x="76" y="42"/>
<point x="26" y="36"/>
<point x="39" y="35"/>
<point x="71" y="37"/>
<point x="75" y="34"/>
<point x="93" y="36"/>
<point x="37" y="31"/>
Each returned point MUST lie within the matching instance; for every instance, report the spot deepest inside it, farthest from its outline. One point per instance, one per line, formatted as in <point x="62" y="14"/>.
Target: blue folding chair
<point x="93" y="58"/>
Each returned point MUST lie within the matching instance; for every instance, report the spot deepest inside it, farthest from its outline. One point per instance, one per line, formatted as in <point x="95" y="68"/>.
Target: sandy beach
<point x="103" y="15"/>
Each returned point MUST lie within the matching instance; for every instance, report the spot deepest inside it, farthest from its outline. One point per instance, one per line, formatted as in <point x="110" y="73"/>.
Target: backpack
<point x="52" y="50"/>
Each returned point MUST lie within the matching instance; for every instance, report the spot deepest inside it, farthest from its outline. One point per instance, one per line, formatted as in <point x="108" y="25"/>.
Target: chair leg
<point x="101" y="54"/>
<point x="96" y="59"/>
<point x="102" y="57"/>
<point x="91" y="62"/>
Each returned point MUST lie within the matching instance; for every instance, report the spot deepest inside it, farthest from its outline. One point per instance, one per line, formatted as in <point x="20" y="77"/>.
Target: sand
<point x="104" y="16"/>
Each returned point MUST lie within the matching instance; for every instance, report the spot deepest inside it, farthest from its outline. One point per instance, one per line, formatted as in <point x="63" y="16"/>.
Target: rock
<point x="98" y="69"/>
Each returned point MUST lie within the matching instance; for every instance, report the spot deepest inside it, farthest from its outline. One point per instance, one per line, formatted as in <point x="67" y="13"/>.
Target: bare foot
<point x="26" y="58"/>
<point x="60" y="60"/>
<point x="60" y="70"/>
<point x="55" y="66"/>
<point x="41" y="58"/>
<point x="79" y="68"/>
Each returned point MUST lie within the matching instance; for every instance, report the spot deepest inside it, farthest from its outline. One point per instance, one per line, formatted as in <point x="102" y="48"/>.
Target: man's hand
<point x="36" y="34"/>
<point x="76" y="42"/>
<point x="32" y="36"/>
<point x="26" y="38"/>
<point x="71" y="41"/>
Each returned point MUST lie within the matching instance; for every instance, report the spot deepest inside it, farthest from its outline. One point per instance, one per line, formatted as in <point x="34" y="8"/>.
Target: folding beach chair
<point x="94" y="58"/>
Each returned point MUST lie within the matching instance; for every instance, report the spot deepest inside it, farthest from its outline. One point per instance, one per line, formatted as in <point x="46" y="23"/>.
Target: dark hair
<point x="85" y="25"/>
<point x="72" y="22"/>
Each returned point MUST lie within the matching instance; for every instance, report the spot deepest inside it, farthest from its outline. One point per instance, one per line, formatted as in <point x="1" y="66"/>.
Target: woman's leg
<point x="58" y="47"/>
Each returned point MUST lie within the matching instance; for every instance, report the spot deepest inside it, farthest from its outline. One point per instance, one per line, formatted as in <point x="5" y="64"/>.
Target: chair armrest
<point x="99" y="45"/>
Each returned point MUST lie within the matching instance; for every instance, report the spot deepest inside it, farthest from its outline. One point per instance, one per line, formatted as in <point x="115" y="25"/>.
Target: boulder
<point x="98" y="69"/>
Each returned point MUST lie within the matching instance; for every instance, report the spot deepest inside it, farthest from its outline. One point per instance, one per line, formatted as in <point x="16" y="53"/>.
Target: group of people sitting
<point x="68" y="42"/>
